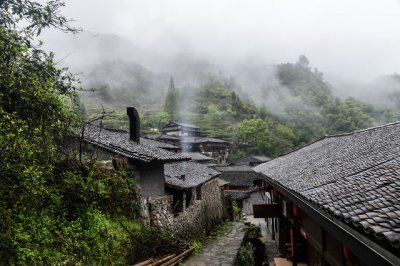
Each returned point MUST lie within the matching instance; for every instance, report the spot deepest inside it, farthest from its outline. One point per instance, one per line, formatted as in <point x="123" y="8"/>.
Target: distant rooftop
<point x="236" y="195"/>
<point x="190" y="139"/>
<point x="179" y="125"/>
<point x="197" y="156"/>
<point x="187" y="174"/>
<point x="235" y="168"/>
<point x="240" y="175"/>
<point x="239" y="195"/>
<point x="251" y="159"/>
<point x="160" y="136"/>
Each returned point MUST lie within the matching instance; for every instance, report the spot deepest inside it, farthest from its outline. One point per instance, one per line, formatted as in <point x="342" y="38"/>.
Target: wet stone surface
<point x="222" y="251"/>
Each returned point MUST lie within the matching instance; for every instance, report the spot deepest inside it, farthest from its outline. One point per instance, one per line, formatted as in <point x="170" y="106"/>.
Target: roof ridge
<point x="363" y="130"/>
<point x="336" y="135"/>
<point x="298" y="148"/>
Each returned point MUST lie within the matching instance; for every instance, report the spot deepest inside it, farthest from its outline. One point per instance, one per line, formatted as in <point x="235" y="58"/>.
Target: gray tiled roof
<point x="160" y="136"/>
<point x="239" y="195"/>
<point x="194" y="174"/>
<point x="197" y="156"/>
<point x="158" y="144"/>
<point x="234" y="168"/>
<point x="190" y="139"/>
<point x="355" y="177"/>
<point x="210" y="139"/>
<point x="251" y="159"/>
<point x="171" y="123"/>
<point x="236" y="195"/>
<point x="118" y="142"/>
<point x="242" y="175"/>
<point x="185" y="124"/>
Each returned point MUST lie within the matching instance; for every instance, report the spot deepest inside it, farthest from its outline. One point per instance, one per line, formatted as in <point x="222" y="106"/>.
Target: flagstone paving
<point x="222" y="251"/>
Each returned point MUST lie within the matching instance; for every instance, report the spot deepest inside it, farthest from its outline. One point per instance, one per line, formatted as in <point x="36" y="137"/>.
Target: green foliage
<point x="282" y="139"/>
<point x="309" y="111"/>
<point x="252" y="249"/>
<point x="313" y="110"/>
<point x="236" y="155"/>
<point x="235" y="208"/>
<point x="53" y="209"/>
<point x="255" y="133"/>
<point x="223" y="229"/>
<point x="264" y="137"/>
<point x="244" y="256"/>
<point x="215" y="108"/>
<point x="171" y="102"/>
<point x="217" y="232"/>
<point x="197" y="247"/>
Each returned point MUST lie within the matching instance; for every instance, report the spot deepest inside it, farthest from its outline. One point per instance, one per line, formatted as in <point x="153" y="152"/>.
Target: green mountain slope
<point x="304" y="110"/>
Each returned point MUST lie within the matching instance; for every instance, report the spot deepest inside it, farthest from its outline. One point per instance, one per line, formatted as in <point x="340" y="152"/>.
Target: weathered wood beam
<point x="267" y="210"/>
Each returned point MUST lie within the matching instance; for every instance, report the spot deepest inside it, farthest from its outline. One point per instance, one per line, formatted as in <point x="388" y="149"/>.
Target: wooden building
<point x="181" y="129"/>
<point x="243" y="185"/>
<point x="192" y="140"/>
<point x="337" y="200"/>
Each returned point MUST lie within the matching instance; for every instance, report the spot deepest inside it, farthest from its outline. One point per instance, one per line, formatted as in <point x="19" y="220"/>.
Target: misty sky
<point x="357" y="39"/>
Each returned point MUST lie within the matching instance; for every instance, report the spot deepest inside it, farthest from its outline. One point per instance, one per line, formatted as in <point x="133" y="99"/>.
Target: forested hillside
<point x="313" y="109"/>
<point x="299" y="108"/>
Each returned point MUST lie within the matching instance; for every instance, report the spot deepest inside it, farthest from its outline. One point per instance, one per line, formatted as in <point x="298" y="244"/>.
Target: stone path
<point x="270" y="248"/>
<point x="222" y="251"/>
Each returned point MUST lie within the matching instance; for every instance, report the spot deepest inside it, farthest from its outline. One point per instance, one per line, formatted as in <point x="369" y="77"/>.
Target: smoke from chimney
<point x="134" y="124"/>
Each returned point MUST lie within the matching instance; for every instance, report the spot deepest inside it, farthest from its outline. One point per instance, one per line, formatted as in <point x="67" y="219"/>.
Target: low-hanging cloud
<point x="354" y="39"/>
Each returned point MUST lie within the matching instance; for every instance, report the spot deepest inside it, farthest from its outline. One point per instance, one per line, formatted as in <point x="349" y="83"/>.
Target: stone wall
<point x="201" y="214"/>
<point x="150" y="178"/>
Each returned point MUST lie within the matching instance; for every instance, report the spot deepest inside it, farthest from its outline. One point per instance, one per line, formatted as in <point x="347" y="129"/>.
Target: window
<point x="257" y="182"/>
<point x="198" y="193"/>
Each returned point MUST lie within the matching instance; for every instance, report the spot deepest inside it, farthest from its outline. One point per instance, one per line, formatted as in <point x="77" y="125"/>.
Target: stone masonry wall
<point x="201" y="215"/>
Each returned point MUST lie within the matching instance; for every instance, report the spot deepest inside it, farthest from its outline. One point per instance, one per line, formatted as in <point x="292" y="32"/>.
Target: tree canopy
<point x="53" y="208"/>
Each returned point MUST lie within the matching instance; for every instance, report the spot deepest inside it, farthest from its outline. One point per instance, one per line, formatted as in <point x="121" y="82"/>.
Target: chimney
<point x="134" y="124"/>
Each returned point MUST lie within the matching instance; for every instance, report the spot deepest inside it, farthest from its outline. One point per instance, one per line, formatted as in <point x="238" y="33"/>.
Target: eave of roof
<point x="194" y="174"/>
<point x="118" y="142"/>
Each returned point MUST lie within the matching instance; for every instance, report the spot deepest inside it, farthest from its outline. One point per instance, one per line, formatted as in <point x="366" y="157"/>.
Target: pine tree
<point x="171" y="103"/>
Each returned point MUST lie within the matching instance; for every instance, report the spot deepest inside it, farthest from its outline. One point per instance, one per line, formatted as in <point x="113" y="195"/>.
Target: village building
<point x="204" y="144"/>
<point x="161" y="141"/>
<point x="191" y="139"/>
<point x="251" y="160"/>
<point x="200" y="158"/>
<point x="181" y="129"/>
<point x="195" y="199"/>
<point x="174" y="193"/>
<point x="336" y="200"/>
<point x="144" y="160"/>
<point x="243" y="185"/>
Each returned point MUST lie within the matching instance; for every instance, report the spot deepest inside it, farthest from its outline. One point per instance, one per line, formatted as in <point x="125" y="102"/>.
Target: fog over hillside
<point x="140" y="44"/>
<point x="109" y="59"/>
